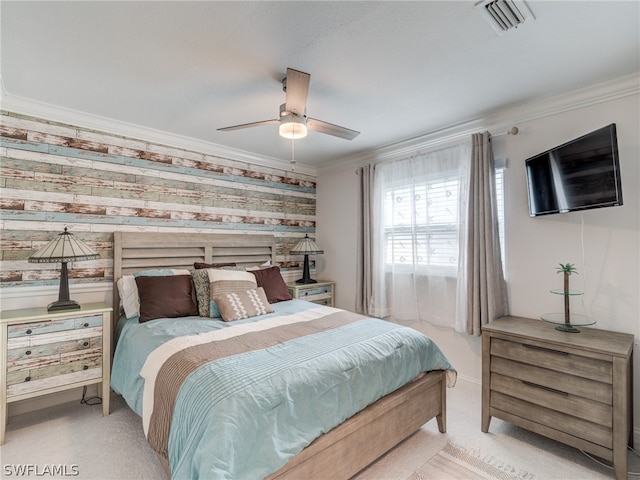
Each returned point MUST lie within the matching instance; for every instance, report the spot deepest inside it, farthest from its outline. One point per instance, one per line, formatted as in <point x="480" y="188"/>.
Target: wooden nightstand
<point x="576" y="388"/>
<point x="321" y="292"/>
<point x="45" y="352"/>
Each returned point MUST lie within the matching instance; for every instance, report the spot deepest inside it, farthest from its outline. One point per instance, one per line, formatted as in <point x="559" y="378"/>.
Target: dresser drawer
<point x="560" y="400"/>
<point x="564" y="382"/>
<point x="552" y="419"/>
<point x="553" y="358"/>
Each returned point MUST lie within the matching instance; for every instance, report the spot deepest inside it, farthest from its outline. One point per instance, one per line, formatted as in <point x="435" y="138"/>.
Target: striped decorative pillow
<point x="247" y="304"/>
<point x="227" y="281"/>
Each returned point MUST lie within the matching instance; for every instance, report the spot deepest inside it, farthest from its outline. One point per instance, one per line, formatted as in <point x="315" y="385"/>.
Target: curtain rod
<point x="512" y="131"/>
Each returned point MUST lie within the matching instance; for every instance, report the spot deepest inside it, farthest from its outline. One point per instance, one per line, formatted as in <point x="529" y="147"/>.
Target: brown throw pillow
<point x="239" y="305"/>
<point x="274" y="285"/>
<point x="165" y="297"/>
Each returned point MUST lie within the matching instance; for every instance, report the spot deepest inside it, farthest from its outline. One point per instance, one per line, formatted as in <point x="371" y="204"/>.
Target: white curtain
<point x="416" y="226"/>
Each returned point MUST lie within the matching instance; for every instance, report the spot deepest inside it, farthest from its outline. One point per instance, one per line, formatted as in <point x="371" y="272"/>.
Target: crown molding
<point x="495" y="122"/>
<point x="25" y="106"/>
<point x="498" y="122"/>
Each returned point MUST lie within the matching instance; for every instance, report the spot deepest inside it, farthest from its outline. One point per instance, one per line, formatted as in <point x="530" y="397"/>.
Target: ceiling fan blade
<point x="297" y="89"/>
<point x="248" y="125"/>
<point x="331" y="129"/>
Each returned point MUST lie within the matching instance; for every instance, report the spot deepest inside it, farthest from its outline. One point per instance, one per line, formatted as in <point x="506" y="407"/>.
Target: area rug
<point x="455" y="462"/>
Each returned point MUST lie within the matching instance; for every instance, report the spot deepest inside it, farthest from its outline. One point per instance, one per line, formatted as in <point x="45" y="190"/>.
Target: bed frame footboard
<point x="350" y="447"/>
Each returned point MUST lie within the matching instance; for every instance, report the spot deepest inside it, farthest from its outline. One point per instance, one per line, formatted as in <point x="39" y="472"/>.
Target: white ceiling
<point x="391" y="70"/>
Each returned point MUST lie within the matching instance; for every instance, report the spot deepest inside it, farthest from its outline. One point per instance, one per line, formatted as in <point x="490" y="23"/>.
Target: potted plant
<point x="567" y="269"/>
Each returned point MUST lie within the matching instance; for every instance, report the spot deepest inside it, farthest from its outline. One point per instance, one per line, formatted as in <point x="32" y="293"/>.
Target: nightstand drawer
<point x="313" y="291"/>
<point x="53" y="337"/>
<point x="321" y="292"/>
<point x="326" y="301"/>
<point x="23" y="375"/>
<point x="39" y="328"/>
<point x="84" y="343"/>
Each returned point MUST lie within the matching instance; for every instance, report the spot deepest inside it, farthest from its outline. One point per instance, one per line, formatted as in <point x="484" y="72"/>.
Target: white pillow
<point x="129" y="296"/>
<point x="258" y="267"/>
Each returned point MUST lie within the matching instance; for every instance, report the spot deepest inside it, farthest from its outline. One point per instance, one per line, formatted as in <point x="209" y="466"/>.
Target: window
<point x="421" y="221"/>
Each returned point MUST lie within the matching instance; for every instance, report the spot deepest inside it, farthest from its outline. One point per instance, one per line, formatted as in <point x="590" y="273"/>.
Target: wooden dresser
<point x="576" y="388"/>
<point x="45" y="352"/>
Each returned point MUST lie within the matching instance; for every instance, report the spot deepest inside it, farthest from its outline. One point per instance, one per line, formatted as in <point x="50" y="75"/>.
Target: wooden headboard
<point x="133" y="251"/>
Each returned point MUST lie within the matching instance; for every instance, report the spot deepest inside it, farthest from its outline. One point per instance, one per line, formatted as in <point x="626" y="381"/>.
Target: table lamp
<point x="306" y="247"/>
<point x="65" y="248"/>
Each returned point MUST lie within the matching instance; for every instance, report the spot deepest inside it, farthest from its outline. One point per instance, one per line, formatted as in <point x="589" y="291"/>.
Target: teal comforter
<point x="244" y="415"/>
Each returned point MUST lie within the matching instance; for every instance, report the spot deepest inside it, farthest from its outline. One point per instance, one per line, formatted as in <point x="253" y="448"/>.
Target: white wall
<point x="606" y="250"/>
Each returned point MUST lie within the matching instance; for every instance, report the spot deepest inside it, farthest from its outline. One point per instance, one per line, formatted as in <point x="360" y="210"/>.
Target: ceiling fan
<point x="293" y="113"/>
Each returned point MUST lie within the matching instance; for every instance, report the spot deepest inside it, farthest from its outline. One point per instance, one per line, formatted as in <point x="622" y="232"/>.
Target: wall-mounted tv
<point x="581" y="174"/>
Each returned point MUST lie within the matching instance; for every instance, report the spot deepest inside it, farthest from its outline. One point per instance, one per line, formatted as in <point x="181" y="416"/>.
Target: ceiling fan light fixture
<point x="292" y="127"/>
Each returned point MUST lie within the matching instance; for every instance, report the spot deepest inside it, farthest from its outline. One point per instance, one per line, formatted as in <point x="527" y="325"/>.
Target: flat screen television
<point x="581" y="174"/>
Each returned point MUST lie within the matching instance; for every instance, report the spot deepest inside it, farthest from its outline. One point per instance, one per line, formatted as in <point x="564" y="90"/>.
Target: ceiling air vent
<point x="505" y="15"/>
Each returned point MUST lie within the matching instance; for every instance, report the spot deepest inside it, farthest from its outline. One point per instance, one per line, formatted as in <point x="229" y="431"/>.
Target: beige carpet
<point x="454" y="462"/>
<point x="114" y="447"/>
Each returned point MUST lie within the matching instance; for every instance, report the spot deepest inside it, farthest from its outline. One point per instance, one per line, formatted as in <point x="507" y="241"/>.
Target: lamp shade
<point x="292" y="127"/>
<point x="62" y="249"/>
<point x="306" y="247"/>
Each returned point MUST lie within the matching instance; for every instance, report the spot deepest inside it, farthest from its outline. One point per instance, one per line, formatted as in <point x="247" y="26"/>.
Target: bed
<point x="296" y="392"/>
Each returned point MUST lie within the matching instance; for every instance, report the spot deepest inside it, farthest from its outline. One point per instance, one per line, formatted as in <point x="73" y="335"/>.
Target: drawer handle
<point x="85" y="344"/>
<point x="27" y="379"/>
<point x="548" y="389"/>
<point x="86" y="325"/>
<point x="28" y="352"/>
<point x="29" y="332"/>
<point x="544" y="349"/>
<point x="86" y="367"/>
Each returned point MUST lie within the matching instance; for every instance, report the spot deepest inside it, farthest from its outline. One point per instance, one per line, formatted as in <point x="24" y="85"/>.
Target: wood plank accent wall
<point x="55" y="175"/>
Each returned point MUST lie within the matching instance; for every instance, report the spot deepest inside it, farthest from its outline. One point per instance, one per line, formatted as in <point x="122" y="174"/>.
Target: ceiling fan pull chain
<point x="293" y="156"/>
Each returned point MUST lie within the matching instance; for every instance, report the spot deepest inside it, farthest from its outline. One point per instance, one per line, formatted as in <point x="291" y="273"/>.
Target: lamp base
<point x="306" y="280"/>
<point x="63" y="305"/>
